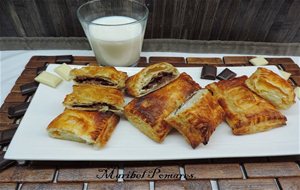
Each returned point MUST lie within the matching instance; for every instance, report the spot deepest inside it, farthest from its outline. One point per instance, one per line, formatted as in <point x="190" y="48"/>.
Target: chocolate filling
<point x="95" y="105"/>
<point x="98" y="81"/>
<point x="159" y="79"/>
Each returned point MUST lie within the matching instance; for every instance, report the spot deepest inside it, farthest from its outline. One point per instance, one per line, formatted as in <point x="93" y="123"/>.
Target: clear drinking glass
<point x="115" y="30"/>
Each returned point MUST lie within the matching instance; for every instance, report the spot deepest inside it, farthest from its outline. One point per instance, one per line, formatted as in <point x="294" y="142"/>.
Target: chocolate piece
<point x="18" y="111"/>
<point x="209" y="72"/>
<point x="7" y="135"/>
<point x="29" y="88"/>
<point x="226" y="74"/>
<point x="64" y="59"/>
<point x="5" y="163"/>
<point x="41" y="69"/>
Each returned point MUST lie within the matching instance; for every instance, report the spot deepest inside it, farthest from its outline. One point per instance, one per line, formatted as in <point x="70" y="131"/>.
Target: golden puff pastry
<point x="95" y="98"/>
<point x="84" y="126"/>
<point x="197" y="118"/>
<point x="150" y="79"/>
<point x="272" y="88"/>
<point x="103" y="76"/>
<point x="246" y="112"/>
<point x="147" y="113"/>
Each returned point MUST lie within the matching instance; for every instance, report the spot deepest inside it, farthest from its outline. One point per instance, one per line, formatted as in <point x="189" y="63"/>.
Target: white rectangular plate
<point x="31" y="141"/>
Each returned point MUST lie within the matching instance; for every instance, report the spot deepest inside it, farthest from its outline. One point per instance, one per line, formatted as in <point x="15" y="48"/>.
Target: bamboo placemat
<point x="233" y="173"/>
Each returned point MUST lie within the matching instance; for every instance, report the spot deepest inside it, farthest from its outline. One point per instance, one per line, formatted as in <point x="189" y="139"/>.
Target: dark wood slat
<point x="26" y="174"/>
<point x="204" y="60"/>
<point x="237" y="59"/>
<point x="280" y="60"/>
<point x="296" y="80"/>
<point x="290" y="183"/>
<point x="132" y="185"/>
<point x="187" y="185"/>
<point x="250" y="184"/>
<point x="52" y="186"/>
<point x="8" y="186"/>
<point x="272" y="169"/>
<point x="173" y="60"/>
<point x="5" y="120"/>
<point x="87" y="174"/>
<point x="15" y="97"/>
<point x="6" y="105"/>
<point x="152" y="173"/>
<point x="213" y="171"/>
<point x="5" y="126"/>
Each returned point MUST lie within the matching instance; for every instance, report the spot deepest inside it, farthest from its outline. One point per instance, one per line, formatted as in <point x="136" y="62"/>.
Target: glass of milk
<point x="115" y="30"/>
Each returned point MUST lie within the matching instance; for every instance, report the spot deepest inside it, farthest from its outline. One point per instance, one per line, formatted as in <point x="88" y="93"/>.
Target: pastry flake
<point x="246" y="112"/>
<point x="150" y="79"/>
<point x="95" y="98"/>
<point x="272" y="88"/>
<point x="197" y="118"/>
<point x="97" y="75"/>
<point x="84" y="126"/>
<point x="148" y="112"/>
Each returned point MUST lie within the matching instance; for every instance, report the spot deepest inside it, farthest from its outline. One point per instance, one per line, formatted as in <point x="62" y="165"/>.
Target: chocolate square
<point x="226" y="74"/>
<point x="209" y="72"/>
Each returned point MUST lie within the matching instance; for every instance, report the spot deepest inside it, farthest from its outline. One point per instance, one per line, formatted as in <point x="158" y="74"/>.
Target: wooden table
<point x="233" y="173"/>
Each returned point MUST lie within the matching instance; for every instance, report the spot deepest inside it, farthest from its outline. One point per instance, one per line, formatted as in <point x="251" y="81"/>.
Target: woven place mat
<point x="244" y="173"/>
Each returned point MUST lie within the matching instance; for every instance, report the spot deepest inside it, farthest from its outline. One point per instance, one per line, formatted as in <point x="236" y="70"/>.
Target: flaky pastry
<point x="89" y="127"/>
<point x="272" y="88"/>
<point x="246" y="112"/>
<point x="147" y="112"/>
<point x="103" y="76"/>
<point x="197" y="118"/>
<point x="150" y="79"/>
<point x="95" y="98"/>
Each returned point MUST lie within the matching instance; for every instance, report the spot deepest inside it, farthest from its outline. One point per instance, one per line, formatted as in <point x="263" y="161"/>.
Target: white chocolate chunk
<point x="258" y="61"/>
<point x="48" y="79"/>
<point x="63" y="71"/>
<point x="297" y="92"/>
<point x="285" y="75"/>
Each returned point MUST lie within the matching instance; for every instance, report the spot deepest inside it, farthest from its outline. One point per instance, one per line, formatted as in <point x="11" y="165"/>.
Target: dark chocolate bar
<point x="7" y="135"/>
<point x="29" y="88"/>
<point x="5" y="163"/>
<point x="209" y="72"/>
<point x="18" y="110"/>
<point x="64" y="59"/>
<point x="226" y="74"/>
<point x="41" y="69"/>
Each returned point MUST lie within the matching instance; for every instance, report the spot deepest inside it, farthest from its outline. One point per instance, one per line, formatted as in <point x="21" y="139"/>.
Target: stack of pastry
<point x="164" y="99"/>
<point x="251" y="103"/>
<point x="91" y="109"/>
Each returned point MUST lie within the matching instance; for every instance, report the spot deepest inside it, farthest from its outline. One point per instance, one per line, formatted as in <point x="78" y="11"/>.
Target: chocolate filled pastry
<point x="197" y="118"/>
<point x="95" y="98"/>
<point x="89" y="127"/>
<point x="103" y="76"/>
<point x="148" y="112"/>
<point x="150" y="79"/>
<point x="246" y="112"/>
<point x="272" y="87"/>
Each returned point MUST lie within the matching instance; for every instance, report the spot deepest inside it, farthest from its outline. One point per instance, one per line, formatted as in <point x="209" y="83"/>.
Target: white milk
<point x="116" y="45"/>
